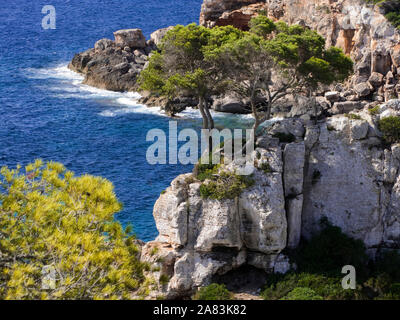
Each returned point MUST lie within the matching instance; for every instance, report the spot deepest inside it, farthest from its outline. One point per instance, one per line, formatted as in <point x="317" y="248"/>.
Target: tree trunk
<point x="209" y="116"/>
<point x="203" y="113"/>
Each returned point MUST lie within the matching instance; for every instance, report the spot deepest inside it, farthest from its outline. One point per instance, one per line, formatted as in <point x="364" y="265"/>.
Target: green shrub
<point x="164" y="279"/>
<point x="225" y="185"/>
<point x="213" y="292"/>
<point x="203" y="171"/>
<point x="390" y="128"/>
<point x="302" y="293"/>
<point x="59" y="239"/>
<point x="374" y="111"/>
<point x="388" y="262"/>
<point x="329" y="288"/>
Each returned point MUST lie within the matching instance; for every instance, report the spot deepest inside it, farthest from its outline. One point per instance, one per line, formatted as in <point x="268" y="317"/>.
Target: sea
<point x="47" y="113"/>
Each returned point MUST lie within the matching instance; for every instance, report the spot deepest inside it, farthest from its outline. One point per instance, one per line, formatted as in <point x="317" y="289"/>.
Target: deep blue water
<point x="46" y="113"/>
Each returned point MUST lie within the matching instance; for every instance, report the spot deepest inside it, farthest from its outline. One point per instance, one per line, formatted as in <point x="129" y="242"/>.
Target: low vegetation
<point x="353" y="116"/>
<point x="392" y="10"/>
<point x="225" y="185"/>
<point x="201" y="62"/>
<point x="218" y="183"/>
<point x="213" y="292"/>
<point x="319" y="264"/>
<point x="390" y="127"/>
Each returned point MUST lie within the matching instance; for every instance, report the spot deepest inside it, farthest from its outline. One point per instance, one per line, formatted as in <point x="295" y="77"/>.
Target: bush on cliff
<point x="59" y="239"/>
<point x="319" y="264"/>
<point x="392" y="10"/>
<point x="213" y="291"/>
<point x="390" y="128"/>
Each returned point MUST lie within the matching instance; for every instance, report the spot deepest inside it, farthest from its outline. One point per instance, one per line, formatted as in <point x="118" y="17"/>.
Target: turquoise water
<point x="47" y="113"/>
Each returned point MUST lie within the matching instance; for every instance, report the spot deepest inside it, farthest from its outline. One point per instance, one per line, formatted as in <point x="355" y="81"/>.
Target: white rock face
<point x="343" y="186"/>
<point x="262" y="213"/>
<point x="219" y="226"/>
<point x="336" y="169"/>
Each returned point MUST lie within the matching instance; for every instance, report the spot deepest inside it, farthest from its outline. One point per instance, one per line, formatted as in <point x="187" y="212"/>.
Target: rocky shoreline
<point x="335" y="166"/>
<point x="337" y="169"/>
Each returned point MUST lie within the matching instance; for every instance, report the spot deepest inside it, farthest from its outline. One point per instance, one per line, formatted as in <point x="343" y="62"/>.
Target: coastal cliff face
<point x="336" y="169"/>
<point x="360" y="29"/>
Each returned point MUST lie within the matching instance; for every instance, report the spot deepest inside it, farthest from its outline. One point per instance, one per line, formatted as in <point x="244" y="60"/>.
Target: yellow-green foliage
<point x="53" y="223"/>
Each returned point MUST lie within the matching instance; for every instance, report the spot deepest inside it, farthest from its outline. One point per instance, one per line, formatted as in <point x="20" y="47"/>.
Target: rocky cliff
<point x="357" y="27"/>
<point x="337" y="169"/>
<point x="115" y="64"/>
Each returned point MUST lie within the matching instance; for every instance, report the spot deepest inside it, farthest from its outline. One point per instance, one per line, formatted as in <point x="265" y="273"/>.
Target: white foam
<point x="67" y="84"/>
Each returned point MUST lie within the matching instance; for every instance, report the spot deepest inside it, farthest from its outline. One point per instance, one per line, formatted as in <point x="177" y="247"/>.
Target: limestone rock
<point x="132" y="38"/>
<point x="345" y="107"/>
<point x="359" y="129"/>
<point x="336" y="169"/>
<point x="263" y="218"/>
<point x="359" y="28"/>
<point x="376" y="79"/>
<point x="362" y="89"/>
<point x="157" y="36"/>
<point x="294" y="157"/>
<point x="282" y="264"/>
<point x="332" y="96"/>
<point x="231" y="104"/>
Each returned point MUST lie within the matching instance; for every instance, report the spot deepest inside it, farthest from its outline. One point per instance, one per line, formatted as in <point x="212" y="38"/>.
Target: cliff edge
<point x="338" y="169"/>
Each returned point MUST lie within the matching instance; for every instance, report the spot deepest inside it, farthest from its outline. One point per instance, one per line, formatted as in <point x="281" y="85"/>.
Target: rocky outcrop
<point x="115" y="64"/>
<point x="336" y="169"/>
<point x="358" y="27"/>
<point x="212" y="10"/>
<point x="211" y="237"/>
